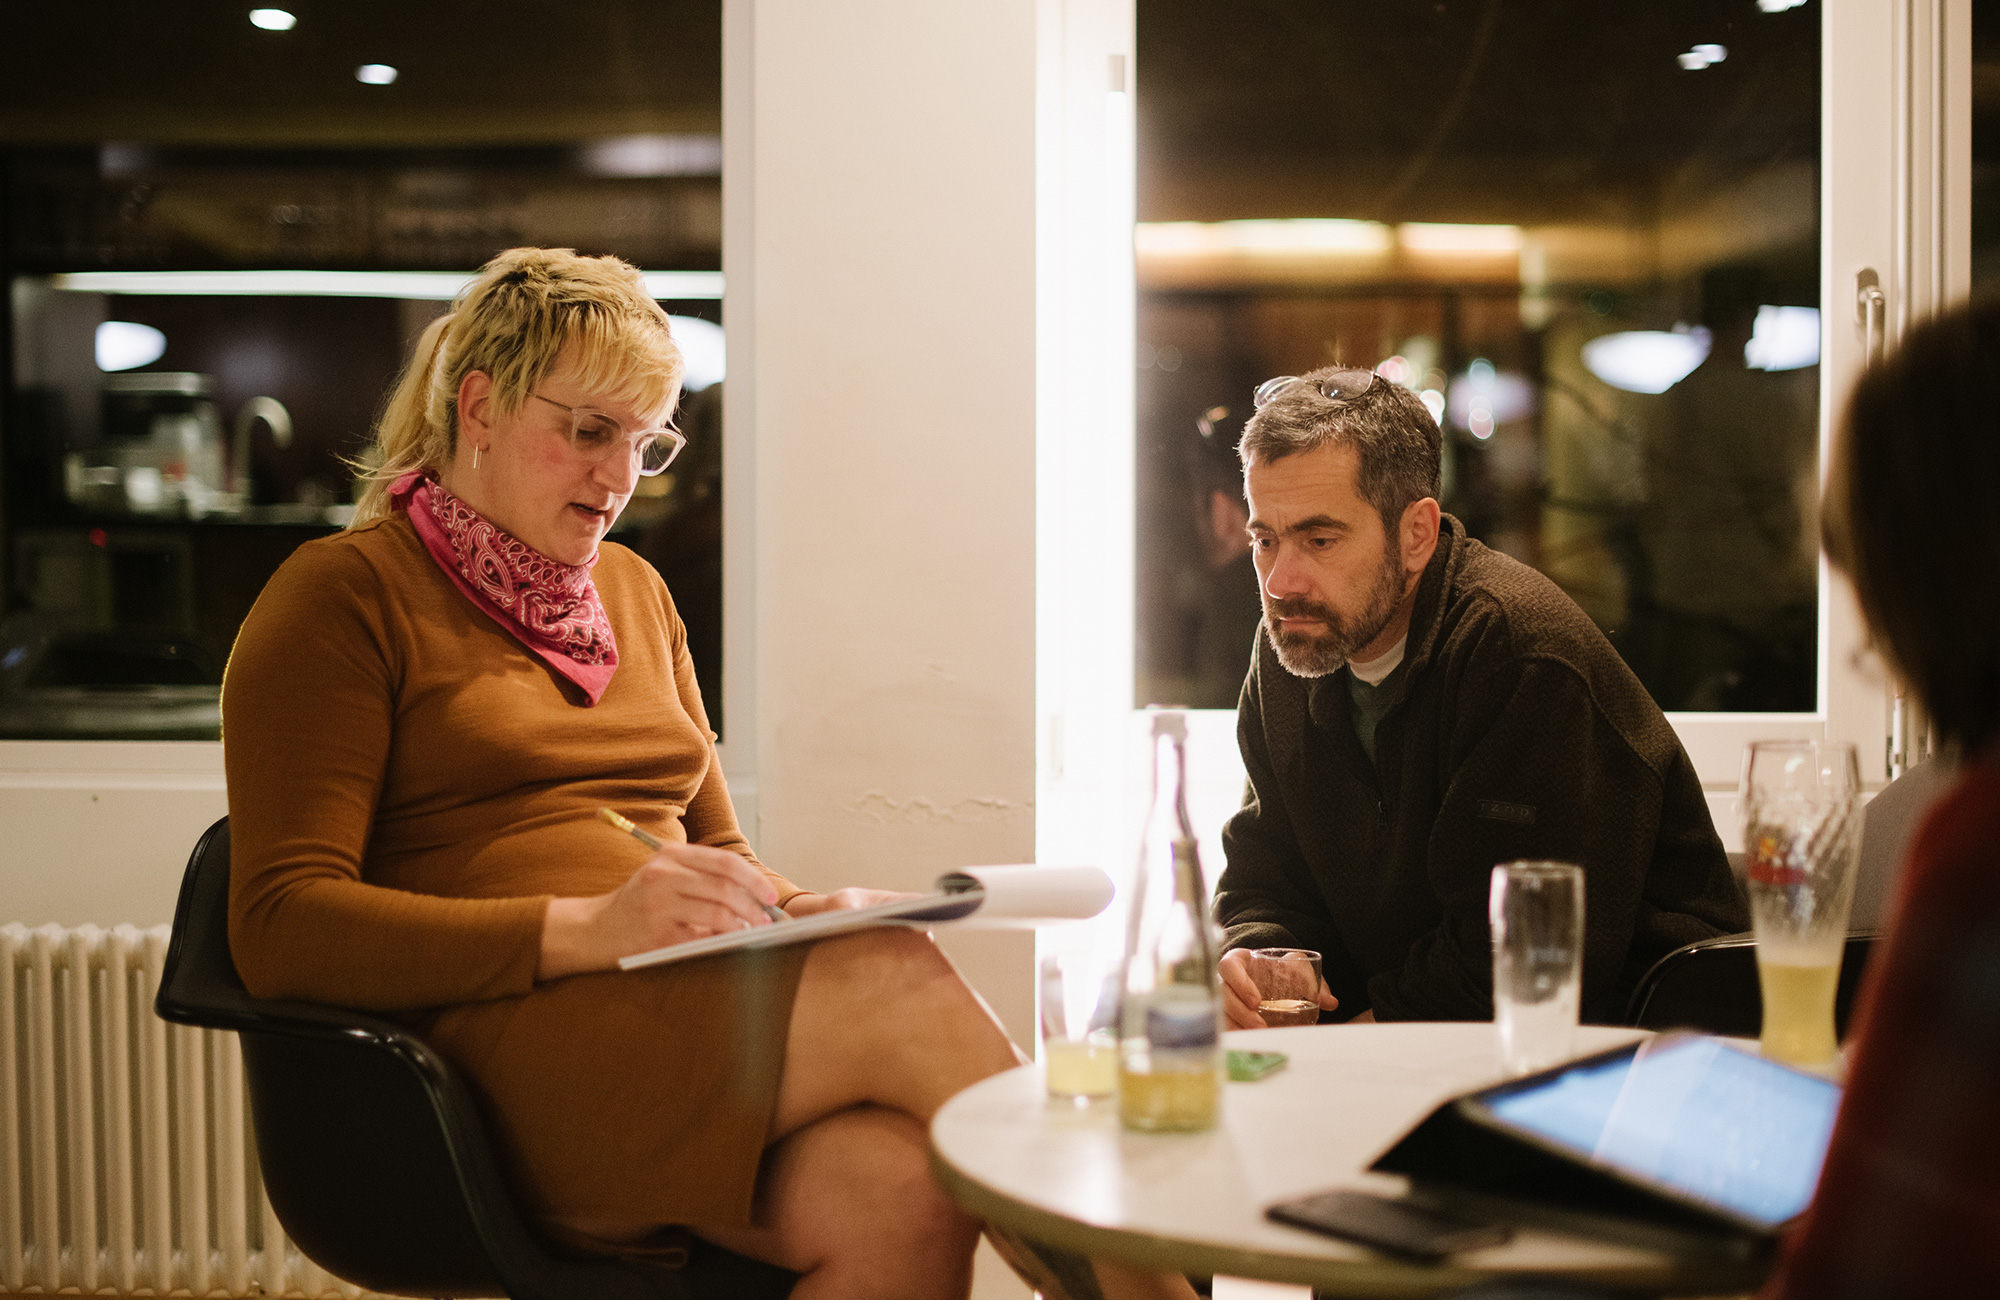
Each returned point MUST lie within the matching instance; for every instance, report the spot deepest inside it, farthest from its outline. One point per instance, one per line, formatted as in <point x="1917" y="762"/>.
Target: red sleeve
<point x="1909" y="1199"/>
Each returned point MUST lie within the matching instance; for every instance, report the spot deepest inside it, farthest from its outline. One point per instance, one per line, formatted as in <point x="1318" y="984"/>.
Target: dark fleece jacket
<point x="1520" y="733"/>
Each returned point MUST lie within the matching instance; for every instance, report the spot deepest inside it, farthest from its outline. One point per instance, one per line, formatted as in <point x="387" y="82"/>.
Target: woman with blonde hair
<point x="422" y="716"/>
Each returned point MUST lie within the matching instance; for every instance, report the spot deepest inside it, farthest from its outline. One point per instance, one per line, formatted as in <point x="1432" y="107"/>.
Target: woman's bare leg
<point x="883" y="1017"/>
<point x="883" y="1031"/>
<point x="849" y="1201"/>
<point x="883" y="1020"/>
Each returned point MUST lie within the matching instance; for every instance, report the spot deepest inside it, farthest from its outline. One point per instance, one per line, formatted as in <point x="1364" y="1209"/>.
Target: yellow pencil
<point x="653" y="841"/>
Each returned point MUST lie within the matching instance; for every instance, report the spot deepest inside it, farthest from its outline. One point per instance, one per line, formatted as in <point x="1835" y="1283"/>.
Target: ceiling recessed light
<point x="1702" y="56"/>
<point x="273" y="20"/>
<point x="375" y="74"/>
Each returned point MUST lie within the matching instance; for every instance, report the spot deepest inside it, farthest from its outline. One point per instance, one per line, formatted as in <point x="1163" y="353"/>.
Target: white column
<point x="1084" y="496"/>
<point x="880" y="251"/>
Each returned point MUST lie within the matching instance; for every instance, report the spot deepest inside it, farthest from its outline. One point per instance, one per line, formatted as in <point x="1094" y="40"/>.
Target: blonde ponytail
<point x="416" y="430"/>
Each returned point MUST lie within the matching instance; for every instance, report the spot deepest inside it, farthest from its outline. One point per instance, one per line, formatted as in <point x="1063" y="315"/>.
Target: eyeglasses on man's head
<point x="1343" y="385"/>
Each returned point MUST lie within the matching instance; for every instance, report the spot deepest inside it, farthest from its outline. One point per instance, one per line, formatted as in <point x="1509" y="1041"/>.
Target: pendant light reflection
<point x="1414" y="376"/>
<point x="1783" y="338"/>
<point x="375" y="74"/>
<point x="702" y="351"/>
<point x="127" y="345"/>
<point x="1482" y="399"/>
<point x="1647" y="361"/>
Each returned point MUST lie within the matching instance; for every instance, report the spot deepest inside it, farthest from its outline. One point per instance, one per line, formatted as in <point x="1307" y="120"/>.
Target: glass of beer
<point x="1801" y="840"/>
<point x="1079" y="995"/>
<point x="1535" y="910"/>
<point x="1288" y="981"/>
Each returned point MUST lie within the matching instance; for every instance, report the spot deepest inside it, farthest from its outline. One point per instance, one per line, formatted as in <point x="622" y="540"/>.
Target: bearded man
<point x="1421" y="708"/>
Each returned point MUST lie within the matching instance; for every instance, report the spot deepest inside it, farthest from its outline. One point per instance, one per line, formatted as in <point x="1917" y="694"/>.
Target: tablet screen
<point x="1691" y="1115"/>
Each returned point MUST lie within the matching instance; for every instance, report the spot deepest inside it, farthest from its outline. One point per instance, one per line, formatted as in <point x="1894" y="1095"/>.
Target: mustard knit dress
<point x="409" y="785"/>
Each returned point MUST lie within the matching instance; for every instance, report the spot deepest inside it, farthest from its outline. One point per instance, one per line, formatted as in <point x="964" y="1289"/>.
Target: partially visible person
<point x="1888" y="823"/>
<point x="1909" y="1200"/>
<point x="1420" y="708"/>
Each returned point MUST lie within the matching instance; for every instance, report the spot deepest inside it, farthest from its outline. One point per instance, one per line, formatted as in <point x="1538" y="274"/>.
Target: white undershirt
<point x="1374" y="670"/>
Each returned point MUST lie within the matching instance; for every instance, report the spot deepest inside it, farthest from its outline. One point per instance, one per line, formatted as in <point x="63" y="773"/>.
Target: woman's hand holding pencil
<point x="683" y="892"/>
<point x="653" y="841"/>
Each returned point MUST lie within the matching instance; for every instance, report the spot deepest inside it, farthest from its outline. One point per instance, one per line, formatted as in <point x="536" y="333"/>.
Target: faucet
<point x="273" y="413"/>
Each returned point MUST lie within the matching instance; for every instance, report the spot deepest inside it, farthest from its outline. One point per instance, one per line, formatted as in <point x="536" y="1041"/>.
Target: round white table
<point x="1194" y="1203"/>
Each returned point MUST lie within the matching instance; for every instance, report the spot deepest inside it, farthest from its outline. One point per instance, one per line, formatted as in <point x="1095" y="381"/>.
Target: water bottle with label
<point x="1170" y="1011"/>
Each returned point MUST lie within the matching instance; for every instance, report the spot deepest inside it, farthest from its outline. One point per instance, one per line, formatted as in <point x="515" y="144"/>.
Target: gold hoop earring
<point x="475" y="455"/>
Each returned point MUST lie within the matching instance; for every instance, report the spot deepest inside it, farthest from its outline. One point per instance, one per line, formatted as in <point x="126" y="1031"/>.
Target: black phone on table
<point x="1400" y="1227"/>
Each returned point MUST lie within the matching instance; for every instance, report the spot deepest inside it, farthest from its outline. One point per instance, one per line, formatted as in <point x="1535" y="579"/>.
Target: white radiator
<point x="126" y="1162"/>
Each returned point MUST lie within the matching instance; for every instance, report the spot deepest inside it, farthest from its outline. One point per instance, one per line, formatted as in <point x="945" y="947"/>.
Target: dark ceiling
<point x="1458" y="110"/>
<point x="471" y="72"/>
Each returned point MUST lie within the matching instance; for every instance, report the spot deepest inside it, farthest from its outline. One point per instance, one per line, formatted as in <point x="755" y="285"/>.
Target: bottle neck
<point x="1178" y="850"/>
<point x="1169" y="815"/>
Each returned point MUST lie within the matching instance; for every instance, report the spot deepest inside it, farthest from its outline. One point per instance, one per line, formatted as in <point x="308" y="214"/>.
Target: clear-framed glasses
<point x="597" y="437"/>
<point x="1342" y="385"/>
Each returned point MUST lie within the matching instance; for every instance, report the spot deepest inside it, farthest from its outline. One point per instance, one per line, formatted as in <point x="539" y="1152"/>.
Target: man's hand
<point x="841" y="900"/>
<point x="1240" y="996"/>
<point x="685" y="891"/>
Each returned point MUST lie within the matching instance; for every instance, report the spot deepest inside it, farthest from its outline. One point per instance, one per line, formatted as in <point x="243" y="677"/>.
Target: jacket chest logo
<point x="1495" y="810"/>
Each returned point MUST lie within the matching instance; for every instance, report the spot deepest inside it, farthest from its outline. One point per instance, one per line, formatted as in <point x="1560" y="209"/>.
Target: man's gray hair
<point x="1390" y="429"/>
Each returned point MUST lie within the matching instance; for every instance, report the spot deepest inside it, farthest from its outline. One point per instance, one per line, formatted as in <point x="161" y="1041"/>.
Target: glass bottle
<point x="1170" y="1009"/>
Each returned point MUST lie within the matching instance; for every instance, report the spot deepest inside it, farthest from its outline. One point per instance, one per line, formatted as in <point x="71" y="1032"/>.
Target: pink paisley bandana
<point x="551" y="608"/>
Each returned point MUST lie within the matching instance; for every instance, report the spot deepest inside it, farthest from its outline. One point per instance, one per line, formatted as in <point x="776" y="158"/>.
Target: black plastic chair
<point x="1712" y="986"/>
<point x="374" y="1152"/>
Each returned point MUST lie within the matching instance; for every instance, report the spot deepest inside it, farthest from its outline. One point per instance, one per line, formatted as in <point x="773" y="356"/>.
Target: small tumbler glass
<point x="1536" y="910"/>
<point x="1288" y="982"/>
<point x="1079" y="1017"/>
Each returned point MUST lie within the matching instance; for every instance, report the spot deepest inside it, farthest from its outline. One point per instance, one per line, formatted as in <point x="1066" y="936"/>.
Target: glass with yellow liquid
<point x="1079" y="1040"/>
<point x="1085" y="1067"/>
<point x="1801" y="840"/>
<point x="1798" y="988"/>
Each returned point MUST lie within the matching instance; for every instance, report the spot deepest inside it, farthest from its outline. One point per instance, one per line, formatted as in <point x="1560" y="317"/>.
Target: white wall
<point x="98" y="832"/>
<point x="879" y="254"/>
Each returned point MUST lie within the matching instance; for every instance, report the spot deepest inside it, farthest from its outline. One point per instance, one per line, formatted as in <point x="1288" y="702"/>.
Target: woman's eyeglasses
<point x="597" y="437"/>
<point x="1341" y="386"/>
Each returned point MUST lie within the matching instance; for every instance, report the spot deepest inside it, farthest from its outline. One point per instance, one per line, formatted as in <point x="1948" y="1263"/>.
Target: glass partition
<point x="1985" y="148"/>
<point x="1587" y="238"/>
<point x="220" y="239"/>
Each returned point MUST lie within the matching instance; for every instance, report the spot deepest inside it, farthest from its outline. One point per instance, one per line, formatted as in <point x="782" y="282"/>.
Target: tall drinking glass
<point x="1536" y="911"/>
<point x="1801" y="840"/>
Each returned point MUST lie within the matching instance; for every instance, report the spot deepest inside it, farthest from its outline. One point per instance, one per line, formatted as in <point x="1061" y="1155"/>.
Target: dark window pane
<point x="1589" y="233"/>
